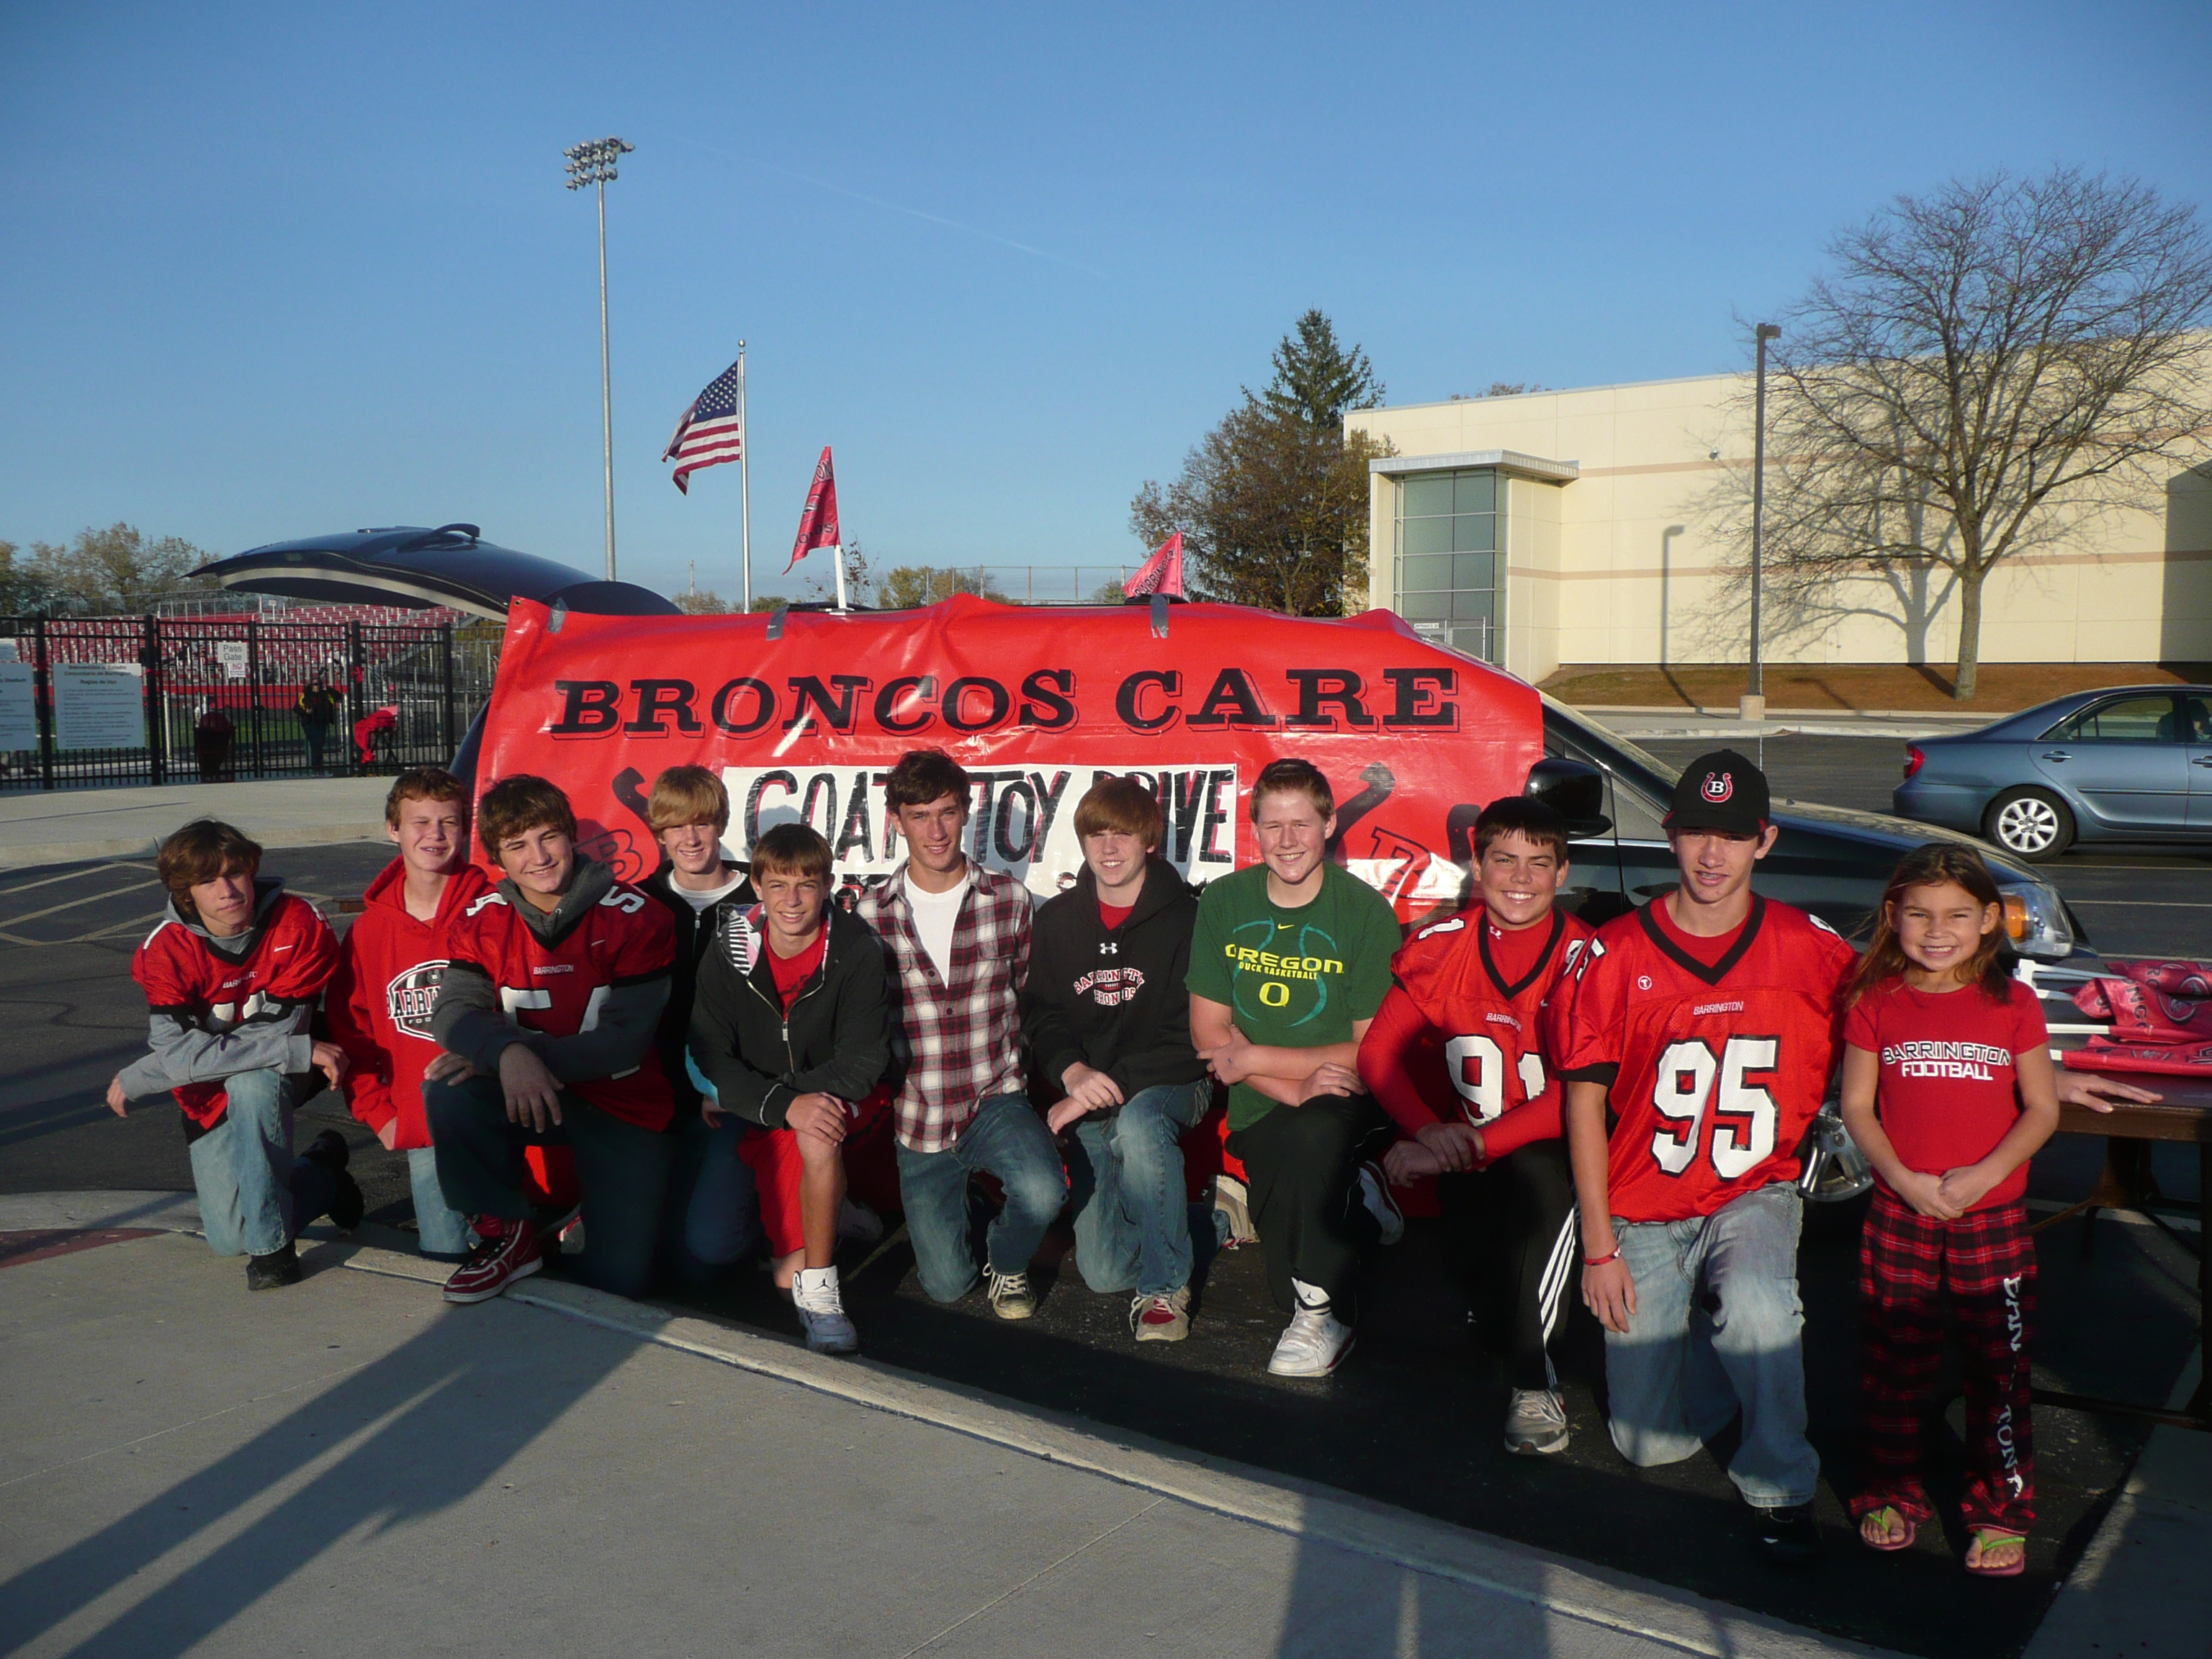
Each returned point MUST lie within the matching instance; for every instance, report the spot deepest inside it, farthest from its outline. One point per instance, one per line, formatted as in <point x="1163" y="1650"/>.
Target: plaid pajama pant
<point x="1982" y="1265"/>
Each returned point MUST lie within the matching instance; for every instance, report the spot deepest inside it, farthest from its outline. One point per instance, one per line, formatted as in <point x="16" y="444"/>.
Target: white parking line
<point x="89" y="898"/>
<point x="72" y="875"/>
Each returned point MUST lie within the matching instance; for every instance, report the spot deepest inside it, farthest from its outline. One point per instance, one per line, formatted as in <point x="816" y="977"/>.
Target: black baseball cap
<point x="1721" y="791"/>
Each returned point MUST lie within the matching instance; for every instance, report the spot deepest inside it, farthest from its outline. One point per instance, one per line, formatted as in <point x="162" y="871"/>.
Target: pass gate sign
<point x="1036" y="704"/>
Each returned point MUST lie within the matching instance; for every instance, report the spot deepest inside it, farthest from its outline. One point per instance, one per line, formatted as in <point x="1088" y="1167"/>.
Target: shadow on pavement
<point x="410" y="1433"/>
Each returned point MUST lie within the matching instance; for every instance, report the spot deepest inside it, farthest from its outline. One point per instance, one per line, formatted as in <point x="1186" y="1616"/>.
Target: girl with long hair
<point x="1948" y="1089"/>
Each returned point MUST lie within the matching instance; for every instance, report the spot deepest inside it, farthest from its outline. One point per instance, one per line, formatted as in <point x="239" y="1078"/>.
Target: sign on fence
<point x="99" y="705"/>
<point x="231" y="654"/>
<point x="19" y="708"/>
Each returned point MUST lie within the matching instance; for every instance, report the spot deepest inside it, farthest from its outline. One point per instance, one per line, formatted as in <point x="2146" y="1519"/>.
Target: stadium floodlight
<point x="594" y="164"/>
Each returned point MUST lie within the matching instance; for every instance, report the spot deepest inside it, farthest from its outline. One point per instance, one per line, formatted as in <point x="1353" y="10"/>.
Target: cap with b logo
<point x="1721" y="791"/>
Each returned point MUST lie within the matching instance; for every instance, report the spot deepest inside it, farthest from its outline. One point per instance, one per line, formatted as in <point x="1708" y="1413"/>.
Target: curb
<point x="1631" y="1606"/>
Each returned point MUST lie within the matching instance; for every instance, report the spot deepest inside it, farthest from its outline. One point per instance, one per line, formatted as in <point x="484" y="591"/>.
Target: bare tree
<point x="1986" y="366"/>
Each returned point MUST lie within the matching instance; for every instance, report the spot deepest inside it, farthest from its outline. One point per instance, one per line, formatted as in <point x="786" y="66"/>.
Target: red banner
<point x="1161" y="573"/>
<point x="817" y="524"/>
<point x="1036" y="704"/>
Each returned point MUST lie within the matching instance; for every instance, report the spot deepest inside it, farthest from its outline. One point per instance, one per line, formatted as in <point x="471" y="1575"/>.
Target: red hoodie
<point x="380" y="997"/>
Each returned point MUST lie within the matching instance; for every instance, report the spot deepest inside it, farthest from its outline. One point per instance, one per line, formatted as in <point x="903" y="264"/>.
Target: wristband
<point x="1613" y="1255"/>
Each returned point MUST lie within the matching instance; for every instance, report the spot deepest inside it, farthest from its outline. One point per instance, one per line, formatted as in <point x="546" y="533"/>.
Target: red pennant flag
<point x="817" y="526"/>
<point x="1161" y="573"/>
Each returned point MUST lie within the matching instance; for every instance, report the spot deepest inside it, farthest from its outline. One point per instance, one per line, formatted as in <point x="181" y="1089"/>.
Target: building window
<point x="1449" y="537"/>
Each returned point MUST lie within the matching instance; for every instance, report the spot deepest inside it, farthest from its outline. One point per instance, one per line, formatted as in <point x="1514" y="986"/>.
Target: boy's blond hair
<point x="687" y="794"/>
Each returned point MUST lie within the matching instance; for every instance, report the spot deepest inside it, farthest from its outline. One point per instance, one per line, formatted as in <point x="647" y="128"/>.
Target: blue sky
<point x="268" y="271"/>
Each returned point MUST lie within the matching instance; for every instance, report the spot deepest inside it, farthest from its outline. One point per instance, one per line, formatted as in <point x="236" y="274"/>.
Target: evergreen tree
<point x="1316" y="379"/>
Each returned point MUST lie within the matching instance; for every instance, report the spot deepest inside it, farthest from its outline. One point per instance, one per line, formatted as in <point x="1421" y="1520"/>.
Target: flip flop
<point x="1903" y="1520"/>
<point x="1989" y="1536"/>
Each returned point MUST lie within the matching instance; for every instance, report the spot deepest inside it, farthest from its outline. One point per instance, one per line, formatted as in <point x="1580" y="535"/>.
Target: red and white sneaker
<point x="495" y="1264"/>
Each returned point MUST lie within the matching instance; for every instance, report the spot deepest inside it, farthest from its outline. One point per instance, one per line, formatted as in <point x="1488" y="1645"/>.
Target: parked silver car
<point x="2131" y="763"/>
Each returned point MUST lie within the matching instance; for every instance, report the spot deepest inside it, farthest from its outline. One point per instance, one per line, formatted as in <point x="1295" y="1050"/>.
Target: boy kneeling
<point x="791" y="1037"/>
<point x="1477" y="987"/>
<point x="231" y="977"/>
<point x="547" y="1012"/>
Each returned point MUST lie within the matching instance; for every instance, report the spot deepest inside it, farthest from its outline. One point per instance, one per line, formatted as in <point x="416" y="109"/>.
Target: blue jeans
<point x="440" y="1231"/>
<point x="713" y="1207"/>
<point x="1132" y="1217"/>
<point x="254" y="1195"/>
<point x="1007" y="1139"/>
<point x="1718" y="1328"/>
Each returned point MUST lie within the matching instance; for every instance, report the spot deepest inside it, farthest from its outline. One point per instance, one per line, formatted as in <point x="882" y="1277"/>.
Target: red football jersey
<point x="1490" y="1029"/>
<point x="624" y="938"/>
<point x="1716" y="1071"/>
<point x="274" y="983"/>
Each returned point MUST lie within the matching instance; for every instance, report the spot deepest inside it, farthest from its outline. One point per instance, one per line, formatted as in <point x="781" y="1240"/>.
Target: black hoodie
<point x="836" y="1039"/>
<point x="695" y="930"/>
<point x="1114" y="1001"/>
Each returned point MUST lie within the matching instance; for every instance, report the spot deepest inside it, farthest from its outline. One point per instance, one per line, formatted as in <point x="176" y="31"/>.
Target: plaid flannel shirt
<point x="958" y="1043"/>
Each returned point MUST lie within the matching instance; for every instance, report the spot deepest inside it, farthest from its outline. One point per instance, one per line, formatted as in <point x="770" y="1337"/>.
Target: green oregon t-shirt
<point x="1292" y="979"/>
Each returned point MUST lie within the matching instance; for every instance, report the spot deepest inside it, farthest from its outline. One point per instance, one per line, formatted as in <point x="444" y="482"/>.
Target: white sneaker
<point x="1010" y="1293"/>
<point x="1315" y="1341"/>
<point x="1535" y="1423"/>
<point x="1230" y="1198"/>
<point x="859" y="1224"/>
<point x="822" y="1309"/>
<point x="1375" y="1193"/>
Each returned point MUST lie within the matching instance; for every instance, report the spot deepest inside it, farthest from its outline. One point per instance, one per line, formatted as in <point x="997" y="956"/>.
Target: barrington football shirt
<point x="1948" y="1090"/>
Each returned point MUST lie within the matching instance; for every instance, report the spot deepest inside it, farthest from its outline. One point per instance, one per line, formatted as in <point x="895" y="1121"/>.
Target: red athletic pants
<point x="1915" y="1272"/>
<point x="871" y="1172"/>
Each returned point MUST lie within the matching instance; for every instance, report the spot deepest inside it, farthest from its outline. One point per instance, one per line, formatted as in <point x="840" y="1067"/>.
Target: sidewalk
<point x="62" y="826"/>
<point x="353" y="1464"/>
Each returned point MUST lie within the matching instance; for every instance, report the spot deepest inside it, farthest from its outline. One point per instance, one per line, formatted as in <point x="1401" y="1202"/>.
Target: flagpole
<point x="744" y="479"/>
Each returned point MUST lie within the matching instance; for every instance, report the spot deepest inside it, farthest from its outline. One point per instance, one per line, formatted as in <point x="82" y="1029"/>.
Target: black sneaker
<point x="347" y="1205"/>
<point x="1788" y="1537"/>
<point x="273" y="1271"/>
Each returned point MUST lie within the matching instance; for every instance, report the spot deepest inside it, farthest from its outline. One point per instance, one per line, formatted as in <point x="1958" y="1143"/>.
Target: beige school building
<point x="1606" y="526"/>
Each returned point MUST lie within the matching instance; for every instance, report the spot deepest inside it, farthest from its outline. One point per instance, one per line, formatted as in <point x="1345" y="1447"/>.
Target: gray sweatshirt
<point x="470" y="1021"/>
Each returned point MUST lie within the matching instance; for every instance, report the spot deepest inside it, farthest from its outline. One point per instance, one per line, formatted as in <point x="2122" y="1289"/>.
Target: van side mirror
<point x="1575" y="790"/>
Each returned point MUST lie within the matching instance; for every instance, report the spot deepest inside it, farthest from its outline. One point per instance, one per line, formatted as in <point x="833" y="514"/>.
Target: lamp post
<point x="594" y="164"/>
<point x="1753" y="706"/>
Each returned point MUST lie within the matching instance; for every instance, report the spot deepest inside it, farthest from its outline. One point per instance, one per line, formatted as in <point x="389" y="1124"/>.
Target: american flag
<point x="711" y="431"/>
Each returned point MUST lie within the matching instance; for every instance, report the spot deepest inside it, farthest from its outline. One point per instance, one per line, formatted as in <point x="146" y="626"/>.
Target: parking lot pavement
<point x="2135" y="900"/>
<point x="1412" y="1419"/>
<point x="350" y="1464"/>
<point x="40" y="828"/>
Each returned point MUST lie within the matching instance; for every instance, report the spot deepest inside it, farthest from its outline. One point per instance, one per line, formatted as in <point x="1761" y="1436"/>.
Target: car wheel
<point x="2033" y="823"/>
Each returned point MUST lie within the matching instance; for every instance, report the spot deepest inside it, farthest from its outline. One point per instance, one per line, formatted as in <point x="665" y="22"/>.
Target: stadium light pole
<point x="594" y="164"/>
<point x="1753" y="705"/>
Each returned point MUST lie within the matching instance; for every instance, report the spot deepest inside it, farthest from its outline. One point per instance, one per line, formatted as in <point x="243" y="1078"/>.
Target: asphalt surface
<point x="2132" y="901"/>
<point x="1413" y="1417"/>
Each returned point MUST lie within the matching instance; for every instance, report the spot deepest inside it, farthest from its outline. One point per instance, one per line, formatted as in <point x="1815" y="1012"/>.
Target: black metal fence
<point x="93" y="700"/>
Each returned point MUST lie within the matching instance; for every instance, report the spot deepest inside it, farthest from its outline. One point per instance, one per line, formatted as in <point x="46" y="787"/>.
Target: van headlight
<point x="2036" y="920"/>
